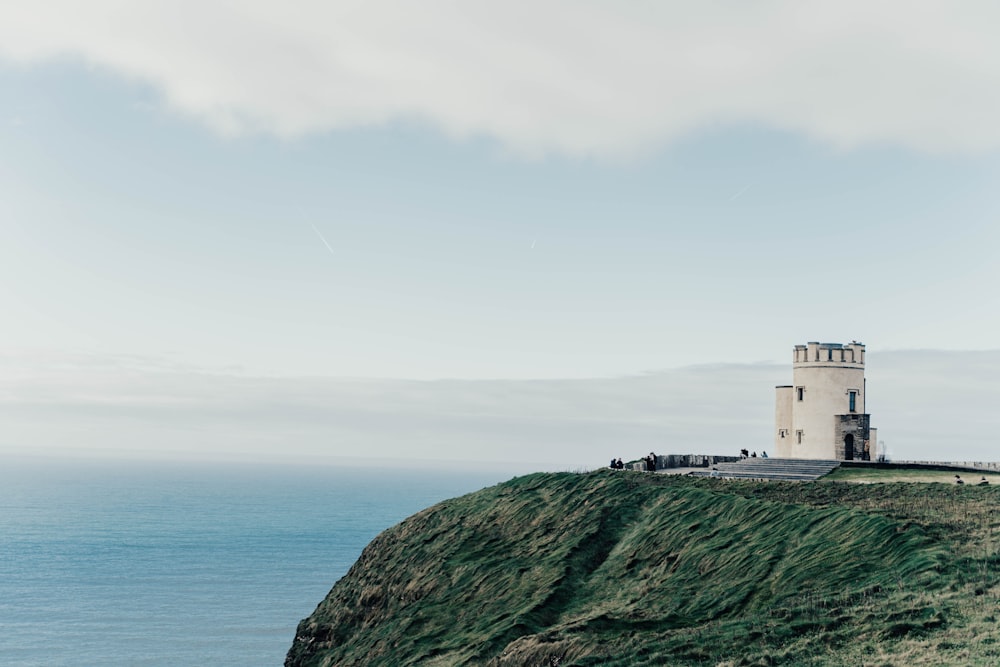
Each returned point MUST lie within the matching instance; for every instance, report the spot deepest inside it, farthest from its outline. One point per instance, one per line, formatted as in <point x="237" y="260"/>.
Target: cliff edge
<point x="623" y="568"/>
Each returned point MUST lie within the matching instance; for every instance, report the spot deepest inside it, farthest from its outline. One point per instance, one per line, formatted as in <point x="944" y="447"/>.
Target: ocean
<point x="174" y="564"/>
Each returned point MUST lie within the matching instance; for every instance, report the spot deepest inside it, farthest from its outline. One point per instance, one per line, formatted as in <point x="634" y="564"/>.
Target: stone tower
<point x="822" y="415"/>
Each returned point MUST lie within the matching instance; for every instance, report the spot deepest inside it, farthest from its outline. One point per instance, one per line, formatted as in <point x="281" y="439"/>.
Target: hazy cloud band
<point x="928" y="405"/>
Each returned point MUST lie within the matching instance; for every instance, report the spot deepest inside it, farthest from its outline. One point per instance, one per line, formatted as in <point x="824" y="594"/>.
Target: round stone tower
<point x="822" y="415"/>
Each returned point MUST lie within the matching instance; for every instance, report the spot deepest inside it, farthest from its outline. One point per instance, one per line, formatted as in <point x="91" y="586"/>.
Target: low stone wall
<point x="664" y="461"/>
<point x="991" y="466"/>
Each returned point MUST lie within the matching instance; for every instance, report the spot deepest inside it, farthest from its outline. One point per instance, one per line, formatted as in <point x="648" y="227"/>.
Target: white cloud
<point x="544" y="76"/>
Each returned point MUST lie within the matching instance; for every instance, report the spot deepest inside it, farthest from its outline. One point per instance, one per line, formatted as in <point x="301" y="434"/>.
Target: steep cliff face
<point x="626" y="568"/>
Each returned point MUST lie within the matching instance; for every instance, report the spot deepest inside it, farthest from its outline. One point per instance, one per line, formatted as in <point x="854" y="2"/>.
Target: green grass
<point x="904" y="475"/>
<point x="622" y="568"/>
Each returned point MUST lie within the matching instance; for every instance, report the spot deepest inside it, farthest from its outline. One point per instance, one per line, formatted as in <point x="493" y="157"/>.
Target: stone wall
<point x="664" y="461"/>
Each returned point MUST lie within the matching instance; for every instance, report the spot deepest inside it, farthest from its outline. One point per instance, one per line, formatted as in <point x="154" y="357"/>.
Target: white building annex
<point x="822" y="414"/>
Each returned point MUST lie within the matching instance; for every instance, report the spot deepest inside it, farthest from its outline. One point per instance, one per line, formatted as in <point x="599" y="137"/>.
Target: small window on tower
<point x="852" y="397"/>
<point x="798" y="437"/>
<point x="783" y="432"/>
<point x="800" y="392"/>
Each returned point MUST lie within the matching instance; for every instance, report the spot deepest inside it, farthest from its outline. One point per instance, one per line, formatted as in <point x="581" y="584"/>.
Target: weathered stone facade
<point x="853" y="437"/>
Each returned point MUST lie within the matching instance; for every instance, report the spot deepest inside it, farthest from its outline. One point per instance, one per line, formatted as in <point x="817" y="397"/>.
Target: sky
<point x="542" y="231"/>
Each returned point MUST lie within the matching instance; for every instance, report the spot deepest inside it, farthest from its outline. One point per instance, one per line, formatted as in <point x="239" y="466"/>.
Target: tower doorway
<point x="849" y="447"/>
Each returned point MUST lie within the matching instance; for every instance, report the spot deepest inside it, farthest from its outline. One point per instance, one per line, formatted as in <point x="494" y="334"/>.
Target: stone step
<point x="784" y="462"/>
<point x="773" y="469"/>
<point x="777" y="477"/>
<point x="774" y="466"/>
<point x="764" y="471"/>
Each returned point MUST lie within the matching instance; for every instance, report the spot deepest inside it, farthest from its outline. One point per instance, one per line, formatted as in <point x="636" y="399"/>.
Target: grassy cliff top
<point x="626" y="568"/>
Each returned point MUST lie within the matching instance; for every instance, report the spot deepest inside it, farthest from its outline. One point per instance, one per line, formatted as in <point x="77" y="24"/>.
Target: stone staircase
<point x="786" y="470"/>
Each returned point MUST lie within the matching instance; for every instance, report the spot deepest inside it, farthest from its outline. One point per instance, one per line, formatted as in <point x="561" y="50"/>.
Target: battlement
<point x="832" y="354"/>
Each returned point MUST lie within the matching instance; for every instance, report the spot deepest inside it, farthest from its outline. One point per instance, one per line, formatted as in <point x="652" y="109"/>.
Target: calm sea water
<point x="166" y="565"/>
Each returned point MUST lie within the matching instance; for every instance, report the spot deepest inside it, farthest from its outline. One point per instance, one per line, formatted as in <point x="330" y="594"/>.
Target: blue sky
<point x="542" y="191"/>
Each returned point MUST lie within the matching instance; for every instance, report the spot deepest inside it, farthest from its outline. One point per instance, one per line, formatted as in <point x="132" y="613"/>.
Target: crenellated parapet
<point x="851" y="355"/>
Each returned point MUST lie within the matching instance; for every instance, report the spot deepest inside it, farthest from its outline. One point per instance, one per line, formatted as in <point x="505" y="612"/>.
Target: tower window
<point x="798" y="437"/>
<point x="852" y="398"/>
<point x="800" y="392"/>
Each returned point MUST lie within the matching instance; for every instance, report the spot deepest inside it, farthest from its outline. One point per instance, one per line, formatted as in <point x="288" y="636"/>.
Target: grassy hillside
<point x="623" y="568"/>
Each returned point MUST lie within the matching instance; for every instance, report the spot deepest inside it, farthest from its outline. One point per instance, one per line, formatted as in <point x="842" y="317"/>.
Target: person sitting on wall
<point x="983" y="482"/>
<point x="763" y="455"/>
<point x="958" y="480"/>
<point x="619" y="465"/>
<point x="754" y="455"/>
<point x="613" y="466"/>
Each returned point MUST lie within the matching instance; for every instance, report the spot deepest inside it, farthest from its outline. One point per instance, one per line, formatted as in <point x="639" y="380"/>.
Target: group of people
<point x="745" y="454"/>
<point x="982" y="481"/>
<point x="649" y="462"/>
